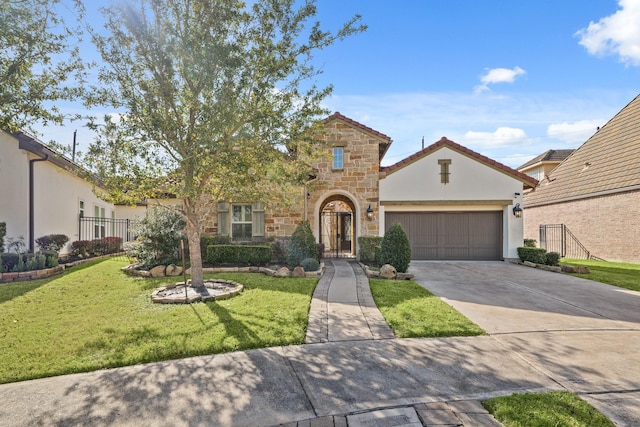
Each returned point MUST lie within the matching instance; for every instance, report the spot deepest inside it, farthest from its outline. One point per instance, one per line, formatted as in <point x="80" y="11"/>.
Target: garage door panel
<point x="452" y="235"/>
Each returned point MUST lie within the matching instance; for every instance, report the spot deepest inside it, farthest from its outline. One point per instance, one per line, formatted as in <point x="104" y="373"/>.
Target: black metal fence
<point x="90" y="228"/>
<point x="558" y="238"/>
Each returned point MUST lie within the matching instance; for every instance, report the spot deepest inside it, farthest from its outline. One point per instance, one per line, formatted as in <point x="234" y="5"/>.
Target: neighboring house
<point x="39" y="195"/>
<point x="595" y="192"/>
<point x="540" y="166"/>
<point x="453" y="203"/>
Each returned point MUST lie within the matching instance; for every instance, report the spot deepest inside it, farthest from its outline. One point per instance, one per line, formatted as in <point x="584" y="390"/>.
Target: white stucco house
<point x="454" y="203"/>
<point x="39" y="195"/>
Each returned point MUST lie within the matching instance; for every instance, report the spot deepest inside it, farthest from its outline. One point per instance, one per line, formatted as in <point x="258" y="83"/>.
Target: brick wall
<point x="608" y="226"/>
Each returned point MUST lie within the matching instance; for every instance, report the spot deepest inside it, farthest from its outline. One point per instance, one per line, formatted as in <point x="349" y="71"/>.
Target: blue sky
<point x="507" y="78"/>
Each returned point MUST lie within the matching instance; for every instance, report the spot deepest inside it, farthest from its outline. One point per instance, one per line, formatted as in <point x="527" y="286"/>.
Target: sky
<point x="509" y="79"/>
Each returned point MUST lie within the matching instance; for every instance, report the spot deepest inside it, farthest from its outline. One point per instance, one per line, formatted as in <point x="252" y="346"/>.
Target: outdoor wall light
<point x="517" y="210"/>
<point x="369" y="213"/>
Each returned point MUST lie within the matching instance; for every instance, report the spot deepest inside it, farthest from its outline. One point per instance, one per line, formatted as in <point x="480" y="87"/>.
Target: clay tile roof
<point x="548" y="156"/>
<point x="384" y="146"/>
<point x="609" y="161"/>
<point x="444" y="142"/>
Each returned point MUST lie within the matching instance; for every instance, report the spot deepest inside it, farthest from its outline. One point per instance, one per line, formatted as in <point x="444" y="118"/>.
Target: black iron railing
<point x="558" y="238"/>
<point x="90" y="228"/>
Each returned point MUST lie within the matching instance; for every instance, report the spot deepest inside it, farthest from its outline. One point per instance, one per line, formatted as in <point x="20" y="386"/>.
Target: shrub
<point x="113" y="244"/>
<point x="9" y="261"/>
<point x="35" y="262"/>
<point x="302" y="245"/>
<point x="535" y="255"/>
<point x="368" y="246"/>
<point x="80" y="248"/>
<point x="238" y="254"/>
<point x="530" y="243"/>
<point x="310" y="264"/>
<point x="159" y="234"/>
<point x="51" y="258"/>
<point x="395" y="248"/>
<point x="552" y="258"/>
<point x="3" y="232"/>
<point x="279" y="249"/>
<point x="52" y="242"/>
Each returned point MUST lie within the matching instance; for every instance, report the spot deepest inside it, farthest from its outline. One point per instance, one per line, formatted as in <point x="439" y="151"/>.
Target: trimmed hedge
<point x="368" y="245"/>
<point x="552" y="258"/>
<point x="238" y="254"/>
<point x="535" y="255"/>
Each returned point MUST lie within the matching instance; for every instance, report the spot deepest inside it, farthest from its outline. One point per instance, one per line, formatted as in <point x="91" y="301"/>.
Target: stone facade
<point x="608" y="226"/>
<point x="350" y="190"/>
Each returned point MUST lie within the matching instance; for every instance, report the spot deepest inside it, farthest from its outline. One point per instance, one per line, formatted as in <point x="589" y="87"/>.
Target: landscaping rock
<point x="158" y="271"/>
<point x="298" y="272"/>
<point x="282" y="272"/>
<point x="530" y="264"/>
<point x="173" y="270"/>
<point x="388" y="271"/>
<point x="577" y="269"/>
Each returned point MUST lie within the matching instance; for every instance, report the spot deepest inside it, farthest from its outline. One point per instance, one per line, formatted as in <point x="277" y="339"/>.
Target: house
<point x="595" y="193"/>
<point x="540" y="166"/>
<point x="453" y="202"/>
<point x="40" y="194"/>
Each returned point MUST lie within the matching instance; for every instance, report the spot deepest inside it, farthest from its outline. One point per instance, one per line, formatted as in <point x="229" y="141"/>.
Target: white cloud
<point x="617" y="34"/>
<point x="498" y="75"/>
<point x="503" y="136"/>
<point x="575" y="132"/>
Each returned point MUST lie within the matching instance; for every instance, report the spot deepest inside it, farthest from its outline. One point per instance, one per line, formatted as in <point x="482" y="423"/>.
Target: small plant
<point x="368" y="245"/>
<point x="552" y="258"/>
<point x="52" y="242"/>
<point x="17" y="244"/>
<point x="530" y="243"/>
<point x="395" y="248"/>
<point x="310" y="264"/>
<point x="302" y="245"/>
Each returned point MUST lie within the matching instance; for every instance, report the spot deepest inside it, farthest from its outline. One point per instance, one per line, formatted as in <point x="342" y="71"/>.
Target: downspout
<point x="31" y="200"/>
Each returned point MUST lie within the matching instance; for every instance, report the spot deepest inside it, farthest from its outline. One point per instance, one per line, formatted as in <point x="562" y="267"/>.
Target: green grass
<point x="414" y="312"/>
<point x="95" y="316"/>
<point x="545" y="410"/>
<point x="623" y="275"/>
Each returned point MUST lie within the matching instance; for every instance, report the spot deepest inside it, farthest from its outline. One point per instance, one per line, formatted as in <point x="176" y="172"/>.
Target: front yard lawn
<point x="94" y="316"/>
<point x="560" y="408"/>
<point x="414" y="312"/>
<point x="623" y="275"/>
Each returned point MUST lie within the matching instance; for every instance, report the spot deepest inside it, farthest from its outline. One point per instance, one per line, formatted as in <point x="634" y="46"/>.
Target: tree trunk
<point x="193" y="231"/>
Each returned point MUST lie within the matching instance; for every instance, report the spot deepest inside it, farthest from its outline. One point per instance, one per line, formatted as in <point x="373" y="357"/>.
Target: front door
<point x="337" y="230"/>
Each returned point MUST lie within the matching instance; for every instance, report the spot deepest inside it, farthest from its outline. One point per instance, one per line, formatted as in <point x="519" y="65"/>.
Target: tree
<point x="39" y="63"/>
<point x="216" y="99"/>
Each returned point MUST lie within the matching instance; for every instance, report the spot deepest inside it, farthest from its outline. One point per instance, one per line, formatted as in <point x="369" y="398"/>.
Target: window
<point x="338" y="157"/>
<point x="444" y="170"/>
<point x="81" y="209"/>
<point x="241" y="222"/>
<point x="99" y="222"/>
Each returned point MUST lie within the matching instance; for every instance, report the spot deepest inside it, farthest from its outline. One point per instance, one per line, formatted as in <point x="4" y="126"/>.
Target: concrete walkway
<point x="341" y="379"/>
<point x="342" y="308"/>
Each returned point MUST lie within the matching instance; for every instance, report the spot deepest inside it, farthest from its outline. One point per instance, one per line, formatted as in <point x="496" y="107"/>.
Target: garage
<point x="451" y="235"/>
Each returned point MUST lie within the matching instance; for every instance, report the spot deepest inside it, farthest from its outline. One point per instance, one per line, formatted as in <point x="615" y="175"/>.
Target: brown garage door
<point x="451" y="235"/>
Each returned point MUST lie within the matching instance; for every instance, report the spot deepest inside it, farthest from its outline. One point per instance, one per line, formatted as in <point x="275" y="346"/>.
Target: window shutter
<point x="257" y="223"/>
<point x="223" y="219"/>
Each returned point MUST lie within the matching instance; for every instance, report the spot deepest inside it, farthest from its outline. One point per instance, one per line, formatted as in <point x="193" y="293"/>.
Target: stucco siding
<point x="14" y="187"/>
<point x="469" y="180"/>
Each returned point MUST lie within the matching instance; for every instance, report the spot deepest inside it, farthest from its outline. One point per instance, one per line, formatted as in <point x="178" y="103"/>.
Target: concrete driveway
<point x="583" y="334"/>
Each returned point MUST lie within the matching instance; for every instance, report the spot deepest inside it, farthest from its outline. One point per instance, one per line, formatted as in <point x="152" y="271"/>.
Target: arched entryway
<point x="337" y="226"/>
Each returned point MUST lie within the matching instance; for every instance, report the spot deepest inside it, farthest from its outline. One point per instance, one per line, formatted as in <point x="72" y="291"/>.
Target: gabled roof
<point x="549" y="156"/>
<point x="444" y="142"/>
<point x="607" y="162"/>
<point x="386" y="140"/>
